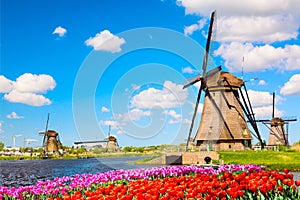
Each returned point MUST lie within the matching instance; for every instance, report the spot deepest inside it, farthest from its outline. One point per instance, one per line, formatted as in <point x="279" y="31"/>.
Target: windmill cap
<point x="52" y="133"/>
<point x="276" y="121"/>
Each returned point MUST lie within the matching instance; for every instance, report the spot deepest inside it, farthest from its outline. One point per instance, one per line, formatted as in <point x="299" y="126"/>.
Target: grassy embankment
<point x="271" y="159"/>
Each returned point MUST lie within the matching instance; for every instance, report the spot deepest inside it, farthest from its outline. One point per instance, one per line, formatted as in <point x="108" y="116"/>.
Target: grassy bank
<point x="270" y="159"/>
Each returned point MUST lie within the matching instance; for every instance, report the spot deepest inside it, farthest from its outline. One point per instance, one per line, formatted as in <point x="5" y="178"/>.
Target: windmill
<point x="51" y="142"/>
<point x="14" y="139"/>
<point x="28" y="141"/>
<point x="223" y="124"/>
<point x="278" y="133"/>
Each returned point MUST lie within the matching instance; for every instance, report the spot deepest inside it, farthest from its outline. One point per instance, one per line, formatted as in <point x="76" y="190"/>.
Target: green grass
<point x="270" y="159"/>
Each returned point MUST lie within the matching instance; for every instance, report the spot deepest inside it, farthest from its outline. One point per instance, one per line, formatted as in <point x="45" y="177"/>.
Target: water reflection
<point x="28" y="172"/>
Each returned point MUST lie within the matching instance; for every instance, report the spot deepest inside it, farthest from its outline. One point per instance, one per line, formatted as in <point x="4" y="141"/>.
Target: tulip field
<point x="169" y="182"/>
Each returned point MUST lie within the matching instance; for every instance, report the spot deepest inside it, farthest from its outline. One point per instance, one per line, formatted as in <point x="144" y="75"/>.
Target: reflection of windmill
<point x="223" y="124"/>
<point x="51" y="142"/>
<point x="278" y="135"/>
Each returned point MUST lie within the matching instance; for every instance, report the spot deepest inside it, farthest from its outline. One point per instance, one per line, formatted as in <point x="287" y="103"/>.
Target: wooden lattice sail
<point x="223" y="125"/>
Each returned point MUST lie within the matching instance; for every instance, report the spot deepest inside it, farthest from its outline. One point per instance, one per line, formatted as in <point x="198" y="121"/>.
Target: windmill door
<point x="210" y="146"/>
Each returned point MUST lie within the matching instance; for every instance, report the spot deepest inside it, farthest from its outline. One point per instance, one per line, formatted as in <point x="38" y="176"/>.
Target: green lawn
<point x="270" y="159"/>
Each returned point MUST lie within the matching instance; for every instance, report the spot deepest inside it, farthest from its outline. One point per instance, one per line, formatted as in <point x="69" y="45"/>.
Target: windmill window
<point x="229" y="146"/>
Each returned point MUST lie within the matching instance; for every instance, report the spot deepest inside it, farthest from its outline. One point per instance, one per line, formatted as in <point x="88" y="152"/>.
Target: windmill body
<point x="277" y="132"/>
<point x="52" y="142"/>
<point x="223" y="125"/>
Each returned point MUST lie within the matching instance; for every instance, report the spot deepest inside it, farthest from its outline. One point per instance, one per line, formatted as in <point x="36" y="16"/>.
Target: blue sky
<point x="91" y="64"/>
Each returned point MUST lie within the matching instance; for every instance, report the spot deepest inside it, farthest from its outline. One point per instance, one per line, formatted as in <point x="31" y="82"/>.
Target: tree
<point x="1" y="146"/>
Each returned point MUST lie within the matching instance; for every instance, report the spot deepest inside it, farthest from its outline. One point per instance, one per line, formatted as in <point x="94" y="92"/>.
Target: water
<point x="28" y="172"/>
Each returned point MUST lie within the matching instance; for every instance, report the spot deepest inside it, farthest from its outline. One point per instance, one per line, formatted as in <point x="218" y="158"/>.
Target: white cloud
<point x="292" y="86"/>
<point x="262" y="82"/>
<point x="172" y="113"/>
<point x="176" y="118"/>
<point x="188" y="70"/>
<point x="135" y="115"/>
<point x="111" y="123"/>
<point x="32" y="83"/>
<point x="135" y="87"/>
<point x="262" y="103"/>
<point x="104" y="109"/>
<point x="259" y="98"/>
<point x="105" y="41"/>
<point x="14" y="115"/>
<point x="60" y="31"/>
<point x="251" y="20"/>
<point x="6" y="85"/>
<point x="189" y="30"/>
<point x="28" y="89"/>
<point x="259" y="58"/>
<point x="171" y="95"/>
<point x="266" y="112"/>
<point x="27" y="98"/>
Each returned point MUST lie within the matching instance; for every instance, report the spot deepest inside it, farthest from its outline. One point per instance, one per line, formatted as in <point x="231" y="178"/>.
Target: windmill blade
<point x="46" y="130"/>
<point x="273" y="108"/>
<point x="192" y="81"/>
<point x="194" y="115"/>
<point x="204" y="66"/>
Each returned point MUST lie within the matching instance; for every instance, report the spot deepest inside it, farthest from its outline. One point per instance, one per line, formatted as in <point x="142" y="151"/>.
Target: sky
<point x="122" y="64"/>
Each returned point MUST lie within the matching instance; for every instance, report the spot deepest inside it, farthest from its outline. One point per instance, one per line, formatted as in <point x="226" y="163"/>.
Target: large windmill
<point x="276" y="125"/>
<point x="223" y="123"/>
<point x="51" y="142"/>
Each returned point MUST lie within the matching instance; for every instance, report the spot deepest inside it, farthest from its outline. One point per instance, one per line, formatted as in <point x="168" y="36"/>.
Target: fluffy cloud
<point x="189" y="30"/>
<point x="60" y="31"/>
<point x="262" y="82"/>
<point x="27" y="98"/>
<point x="171" y="95"/>
<point x="105" y="41"/>
<point x="252" y="20"/>
<point x="176" y="118"/>
<point x="104" y="109"/>
<point x="14" y="115"/>
<point x="261" y="57"/>
<point x="292" y="86"/>
<point x="266" y="112"/>
<point x="188" y="70"/>
<point x="111" y="123"/>
<point x="6" y="85"/>
<point x="32" y="83"/>
<point x="262" y="103"/>
<point x="135" y="115"/>
<point x="28" y="89"/>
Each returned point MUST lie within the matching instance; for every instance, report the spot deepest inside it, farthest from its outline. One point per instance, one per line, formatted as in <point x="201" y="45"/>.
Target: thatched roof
<point x="223" y="79"/>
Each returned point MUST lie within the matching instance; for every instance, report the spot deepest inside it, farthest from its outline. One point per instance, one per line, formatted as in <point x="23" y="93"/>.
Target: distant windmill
<point x="51" y="142"/>
<point x="278" y="133"/>
<point x="223" y="124"/>
<point x="14" y="139"/>
<point x="28" y="141"/>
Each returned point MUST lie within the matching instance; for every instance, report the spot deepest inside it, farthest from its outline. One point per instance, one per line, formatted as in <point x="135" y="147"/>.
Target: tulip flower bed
<point x="170" y="182"/>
